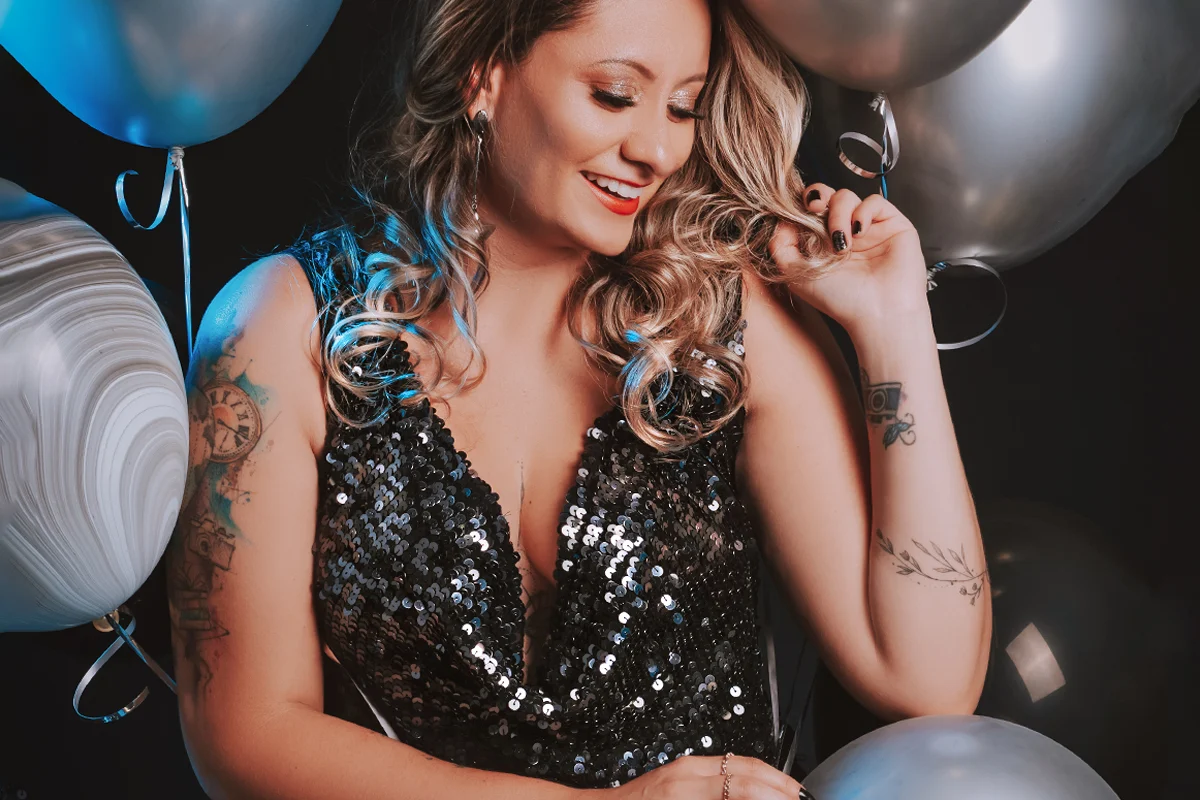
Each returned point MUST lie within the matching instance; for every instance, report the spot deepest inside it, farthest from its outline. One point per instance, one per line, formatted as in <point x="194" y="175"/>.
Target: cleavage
<point x="528" y="454"/>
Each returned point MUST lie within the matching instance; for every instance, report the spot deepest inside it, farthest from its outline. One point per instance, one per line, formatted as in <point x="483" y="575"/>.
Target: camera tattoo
<point x="953" y="567"/>
<point x="882" y="401"/>
<point x="226" y="424"/>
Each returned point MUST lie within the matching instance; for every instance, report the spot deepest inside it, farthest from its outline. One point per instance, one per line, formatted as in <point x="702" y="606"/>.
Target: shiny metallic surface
<point x="1016" y="150"/>
<point x="955" y="756"/>
<point x="165" y="73"/>
<point x="884" y="45"/>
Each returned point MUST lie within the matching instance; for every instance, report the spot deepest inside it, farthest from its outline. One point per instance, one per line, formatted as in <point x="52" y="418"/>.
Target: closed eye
<point x="619" y="101"/>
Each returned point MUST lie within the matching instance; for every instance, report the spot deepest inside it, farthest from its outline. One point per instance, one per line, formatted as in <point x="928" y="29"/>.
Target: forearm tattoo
<point x="953" y="567"/>
<point x="226" y="421"/>
<point x="882" y="402"/>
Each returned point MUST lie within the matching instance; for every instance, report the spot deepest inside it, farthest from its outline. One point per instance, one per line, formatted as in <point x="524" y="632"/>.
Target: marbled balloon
<point x="93" y="421"/>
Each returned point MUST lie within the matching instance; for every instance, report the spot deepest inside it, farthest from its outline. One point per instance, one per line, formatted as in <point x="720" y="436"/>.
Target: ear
<point x="484" y="94"/>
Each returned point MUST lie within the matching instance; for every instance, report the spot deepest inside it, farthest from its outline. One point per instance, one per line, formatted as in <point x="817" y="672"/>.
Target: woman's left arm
<point x="863" y="503"/>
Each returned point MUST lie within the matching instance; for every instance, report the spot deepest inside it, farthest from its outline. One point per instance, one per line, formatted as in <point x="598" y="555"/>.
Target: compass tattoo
<point x="226" y="424"/>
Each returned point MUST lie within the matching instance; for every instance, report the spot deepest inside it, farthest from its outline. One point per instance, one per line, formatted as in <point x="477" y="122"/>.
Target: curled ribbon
<point x="889" y="154"/>
<point x="113" y="623"/>
<point x="174" y="165"/>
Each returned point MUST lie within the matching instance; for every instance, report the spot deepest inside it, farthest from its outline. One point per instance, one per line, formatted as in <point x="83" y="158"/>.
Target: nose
<point x="652" y="141"/>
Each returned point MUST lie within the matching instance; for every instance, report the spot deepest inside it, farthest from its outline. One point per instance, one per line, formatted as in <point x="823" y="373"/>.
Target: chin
<point x="607" y="240"/>
<point x="610" y="247"/>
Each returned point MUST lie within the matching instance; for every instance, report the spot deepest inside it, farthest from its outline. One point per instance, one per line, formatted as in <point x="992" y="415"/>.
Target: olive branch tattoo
<point x="954" y="564"/>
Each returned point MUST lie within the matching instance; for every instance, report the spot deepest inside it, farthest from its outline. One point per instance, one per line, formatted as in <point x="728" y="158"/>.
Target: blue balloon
<point x="163" y="74"/>
<point x="955" y="756"/>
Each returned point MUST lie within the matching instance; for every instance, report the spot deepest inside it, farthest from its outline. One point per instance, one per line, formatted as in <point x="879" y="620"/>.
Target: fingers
<point x="816" y="195"/>
<point x="849" y="215"/>
<point x="749" y="775"/>
<point x="870" y="210"/>
<point x="741" y="787"/>
<point x="783" y="244"/>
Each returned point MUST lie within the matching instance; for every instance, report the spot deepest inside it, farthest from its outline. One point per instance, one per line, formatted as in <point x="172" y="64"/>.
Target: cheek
<point x="577" y="130"/>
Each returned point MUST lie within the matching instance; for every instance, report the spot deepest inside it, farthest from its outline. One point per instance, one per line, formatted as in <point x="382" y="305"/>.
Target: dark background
<point x="1077" y="402"/>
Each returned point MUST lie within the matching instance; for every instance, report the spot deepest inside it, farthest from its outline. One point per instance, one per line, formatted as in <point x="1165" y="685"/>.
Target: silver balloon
<point x="161" y="73"/>
<point x="884" y="45"/>
<point x="1016" y="150"/>
<point x="952" y="757"/>
<point x="93" y="421"/>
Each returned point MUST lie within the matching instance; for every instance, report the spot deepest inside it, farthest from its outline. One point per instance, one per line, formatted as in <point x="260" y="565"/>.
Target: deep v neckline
<point x="504" y="544"/>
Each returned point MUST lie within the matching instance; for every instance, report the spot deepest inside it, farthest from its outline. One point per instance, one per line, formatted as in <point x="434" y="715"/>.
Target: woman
<point x="585" y="228"/>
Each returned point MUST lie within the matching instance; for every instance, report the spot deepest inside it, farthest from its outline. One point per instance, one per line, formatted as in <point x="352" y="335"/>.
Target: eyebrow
<point x="645" y="71"/>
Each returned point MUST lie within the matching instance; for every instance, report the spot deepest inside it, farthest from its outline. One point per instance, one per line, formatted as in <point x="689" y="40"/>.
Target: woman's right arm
<point x="244" y="635"/>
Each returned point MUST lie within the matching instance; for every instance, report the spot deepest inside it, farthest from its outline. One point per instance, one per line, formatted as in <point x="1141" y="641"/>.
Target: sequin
<point x="418" y="595"/>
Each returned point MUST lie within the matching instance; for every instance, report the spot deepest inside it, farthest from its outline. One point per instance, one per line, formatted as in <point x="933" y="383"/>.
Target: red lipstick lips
<point x="617" y="205"/>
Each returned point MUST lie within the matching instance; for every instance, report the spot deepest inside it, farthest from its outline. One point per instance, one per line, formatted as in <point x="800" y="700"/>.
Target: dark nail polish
<point x="815" y="194"/>
<point x="856" y="228"/>
<point x="839" y="241"/>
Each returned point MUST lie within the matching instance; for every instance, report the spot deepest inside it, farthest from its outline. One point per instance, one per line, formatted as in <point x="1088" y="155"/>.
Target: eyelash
<point x="617" y="101"/>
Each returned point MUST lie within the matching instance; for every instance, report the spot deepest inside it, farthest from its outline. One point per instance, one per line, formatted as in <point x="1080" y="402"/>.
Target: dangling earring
<point x="478" y="126"/>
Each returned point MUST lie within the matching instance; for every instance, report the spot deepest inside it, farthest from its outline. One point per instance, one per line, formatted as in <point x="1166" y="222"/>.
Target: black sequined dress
<point x="655" y="645"/>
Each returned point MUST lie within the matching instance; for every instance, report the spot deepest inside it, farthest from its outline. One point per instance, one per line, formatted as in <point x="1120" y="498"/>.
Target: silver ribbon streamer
<point x="126" y="638"/>
<point x="889" y="150"/>
<point x="174" y="165"/>
<point x="931" y="284"/>
<point x="889" y="154"/>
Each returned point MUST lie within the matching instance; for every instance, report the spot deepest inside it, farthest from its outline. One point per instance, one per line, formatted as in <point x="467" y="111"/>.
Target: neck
<point x="527" y="286"/>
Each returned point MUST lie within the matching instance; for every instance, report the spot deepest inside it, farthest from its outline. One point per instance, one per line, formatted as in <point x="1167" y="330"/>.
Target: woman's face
<point x="609" y="97"/>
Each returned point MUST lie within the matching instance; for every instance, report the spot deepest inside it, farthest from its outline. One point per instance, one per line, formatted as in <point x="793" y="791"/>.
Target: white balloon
<point x="93" y="421"/>
<point x="950" y="757"/>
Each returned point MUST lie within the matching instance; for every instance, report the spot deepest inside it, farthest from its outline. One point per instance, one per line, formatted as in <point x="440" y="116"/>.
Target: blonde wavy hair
<point x="663" y="309"/>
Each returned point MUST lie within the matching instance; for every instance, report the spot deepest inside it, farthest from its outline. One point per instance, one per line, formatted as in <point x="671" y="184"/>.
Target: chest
<point x="527" y="448"/>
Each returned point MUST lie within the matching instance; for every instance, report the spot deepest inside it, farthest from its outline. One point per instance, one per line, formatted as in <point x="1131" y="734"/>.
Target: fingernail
<point x="856" y="228"/>
<point x="839" y="241"/>
<point x="815" y="194"/>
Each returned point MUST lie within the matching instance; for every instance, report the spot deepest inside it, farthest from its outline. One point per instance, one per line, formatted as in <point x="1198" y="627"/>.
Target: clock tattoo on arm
<point x="226" y="410"/>
<point x="235" y="418"/>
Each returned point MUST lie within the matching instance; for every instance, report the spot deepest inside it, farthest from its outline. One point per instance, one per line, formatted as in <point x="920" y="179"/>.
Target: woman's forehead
<point x="658" y="39"/>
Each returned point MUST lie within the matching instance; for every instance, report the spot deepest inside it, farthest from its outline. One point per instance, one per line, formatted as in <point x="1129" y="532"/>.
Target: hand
<point x="883" y="272"/>
<point x="699" y="778"/>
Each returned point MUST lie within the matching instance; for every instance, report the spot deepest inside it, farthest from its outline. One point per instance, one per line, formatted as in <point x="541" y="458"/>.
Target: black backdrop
<point x="1077" y="400"/>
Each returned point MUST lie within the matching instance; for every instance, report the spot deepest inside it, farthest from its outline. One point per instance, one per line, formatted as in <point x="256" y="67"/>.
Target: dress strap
<point x="313" y="261"/>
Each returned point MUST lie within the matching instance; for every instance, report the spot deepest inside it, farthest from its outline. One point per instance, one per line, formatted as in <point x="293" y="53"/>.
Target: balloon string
<point x="889" y="153"/>
<point x="126" y="638"/>
<point x="185" y="230"/>
<point x="174" y="165"/>
<point x="931" y="284"/>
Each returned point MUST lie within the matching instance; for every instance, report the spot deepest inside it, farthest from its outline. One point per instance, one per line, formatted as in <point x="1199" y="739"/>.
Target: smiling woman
<point x="567" y="228"/>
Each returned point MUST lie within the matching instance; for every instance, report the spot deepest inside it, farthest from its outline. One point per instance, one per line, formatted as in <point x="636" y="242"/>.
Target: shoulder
<point x="789" y="350"/>
<point x="265" y="318"/>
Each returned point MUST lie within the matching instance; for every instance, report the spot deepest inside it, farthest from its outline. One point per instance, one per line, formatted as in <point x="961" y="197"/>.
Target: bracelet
<point x="725" y="772"/>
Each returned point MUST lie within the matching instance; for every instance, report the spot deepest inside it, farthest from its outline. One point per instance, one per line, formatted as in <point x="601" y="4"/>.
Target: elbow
<point x="900" y="708"/>
<point x="948" y="697"/>
<point x="222" y="756"/>
<point x="929" y="690"/>
<point x="211" y="762"/>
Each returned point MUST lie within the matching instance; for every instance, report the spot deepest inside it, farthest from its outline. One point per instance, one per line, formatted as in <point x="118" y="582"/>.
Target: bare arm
<point x="848" y="504"/>
<point x="244" y="635"/>
<point x="299" y="753"/>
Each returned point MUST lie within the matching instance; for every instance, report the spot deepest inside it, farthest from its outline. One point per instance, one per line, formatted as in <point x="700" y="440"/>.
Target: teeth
<point x="617" y="187"/>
